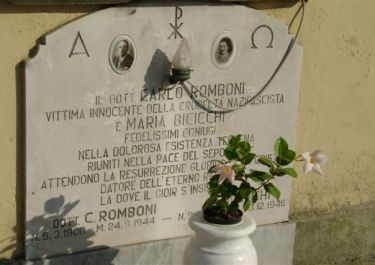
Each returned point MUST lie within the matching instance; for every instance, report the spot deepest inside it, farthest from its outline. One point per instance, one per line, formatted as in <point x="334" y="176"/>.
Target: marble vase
<point x="220" y="244"/>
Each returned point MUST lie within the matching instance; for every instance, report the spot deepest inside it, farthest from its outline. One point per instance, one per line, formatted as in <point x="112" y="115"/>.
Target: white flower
<point x="226" y="172"/>
<point x="313" y="161"/>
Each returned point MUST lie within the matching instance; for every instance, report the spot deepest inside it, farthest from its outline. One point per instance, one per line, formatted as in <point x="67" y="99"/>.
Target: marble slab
<point x="274" y="245"/>
<point x="112" y="158"/>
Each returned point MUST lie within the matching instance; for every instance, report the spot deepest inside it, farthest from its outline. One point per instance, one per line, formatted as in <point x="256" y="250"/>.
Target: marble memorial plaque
<point x="112" y="158"/>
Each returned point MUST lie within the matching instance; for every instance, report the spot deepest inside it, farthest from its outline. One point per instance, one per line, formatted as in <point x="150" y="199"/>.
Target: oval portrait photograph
<point x="122" y="54"/>
<point x="223" y="50"/>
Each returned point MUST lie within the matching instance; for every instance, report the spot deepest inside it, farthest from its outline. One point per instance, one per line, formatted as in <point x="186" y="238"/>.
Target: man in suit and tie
<point x="123" y="60"/>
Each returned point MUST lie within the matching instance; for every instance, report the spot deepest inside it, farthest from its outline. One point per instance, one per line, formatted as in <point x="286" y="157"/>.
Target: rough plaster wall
<point x="336" y="108"/>
<point x="336" y="111"/>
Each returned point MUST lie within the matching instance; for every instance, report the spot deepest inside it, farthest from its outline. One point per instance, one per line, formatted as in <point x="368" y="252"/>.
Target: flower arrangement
<point x="233" y="184"/>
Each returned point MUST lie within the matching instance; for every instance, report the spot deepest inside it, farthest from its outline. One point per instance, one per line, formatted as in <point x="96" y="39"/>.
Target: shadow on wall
<point x="157" y="72"/>
<point x="53" y="234"/>
<point x="156" y="77"/>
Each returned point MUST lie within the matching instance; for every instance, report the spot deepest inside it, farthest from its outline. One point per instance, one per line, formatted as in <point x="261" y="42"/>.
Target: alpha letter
<point x="81" y="47"/>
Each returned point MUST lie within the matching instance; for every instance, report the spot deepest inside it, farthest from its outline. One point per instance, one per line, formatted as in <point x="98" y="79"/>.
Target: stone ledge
<point x="274" y="245"/>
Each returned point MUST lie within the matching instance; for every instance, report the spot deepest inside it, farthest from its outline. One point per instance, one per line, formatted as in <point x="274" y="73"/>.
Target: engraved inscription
<point x="78" y="47"/>
<point x="176" y="26"/>
<point x="268" y="28"/>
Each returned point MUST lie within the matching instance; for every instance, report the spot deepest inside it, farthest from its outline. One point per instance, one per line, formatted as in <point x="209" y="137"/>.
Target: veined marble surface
<point x="274" y="244"/>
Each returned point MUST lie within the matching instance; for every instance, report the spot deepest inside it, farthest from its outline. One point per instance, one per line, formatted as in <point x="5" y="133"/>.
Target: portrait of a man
<point x="122" y="55"/>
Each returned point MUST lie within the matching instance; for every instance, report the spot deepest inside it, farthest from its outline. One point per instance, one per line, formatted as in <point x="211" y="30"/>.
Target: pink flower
<point x="313" y="161"/>
<point x="226" y="172"/>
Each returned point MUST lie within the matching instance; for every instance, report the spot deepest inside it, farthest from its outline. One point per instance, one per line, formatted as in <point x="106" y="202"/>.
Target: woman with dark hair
<point x="224" y="50"/>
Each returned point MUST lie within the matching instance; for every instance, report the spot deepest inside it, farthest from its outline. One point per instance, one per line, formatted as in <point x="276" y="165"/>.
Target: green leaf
<point x="238" y="170"/>
<point x="245" y="146"/>
<point x="247" y="159"/>
<point x="224" y="189"/>
<point x="286" y="159"/>
<point x="280" y="147"/>
<point x="239" y="153"/>
<point x="239" y="177"/>
<point x="233" y="207"/>
<point x="271" y="189"/>
<point x="259" y="176"/>
<point x="232" y="188"/>
<point x="253" y="195"/>
<point x="213" y="185"/>
<point x="282" y="161"/>
<point x="246" y="205"/>
<point x="214" y="181"/>
<point x="265" y="161"/>
<point x="214" y="191"/>
<point x="287" y="171"/>
<point x="256" y="179"/>
<point x="268" y="176"/>
<point x="244" y="190"/>
<point x="237" y="198"/>
<point x="230" y="153"/>
<point x="234" y="140"/>
<point x="256" y="176"/>
<point x="278" y="172"/>
<point x="209" y="203"/>
<point x="223" y="204"/>
<point x="290" y="155"/>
